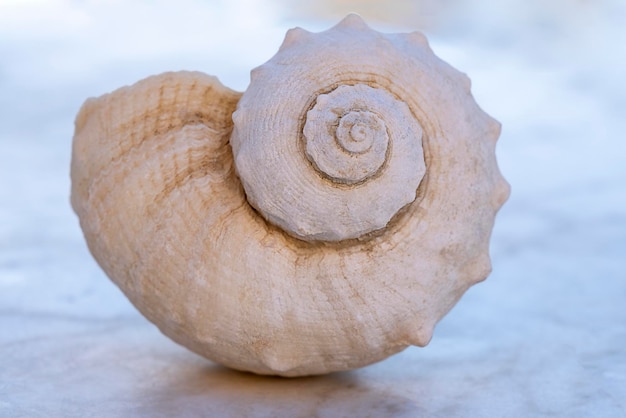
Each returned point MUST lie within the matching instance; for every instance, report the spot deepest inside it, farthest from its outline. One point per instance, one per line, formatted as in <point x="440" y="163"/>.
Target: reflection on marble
<point x="545" y="335"/>
<point x="509" y="365"/>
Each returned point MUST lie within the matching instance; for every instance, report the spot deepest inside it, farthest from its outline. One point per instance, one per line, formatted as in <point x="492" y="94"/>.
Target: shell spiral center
<point x="344" y="141"/>
<point x="358" y="130"/>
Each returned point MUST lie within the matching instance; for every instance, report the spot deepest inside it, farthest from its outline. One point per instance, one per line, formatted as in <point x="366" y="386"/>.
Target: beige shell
<point x="368" y="192"/>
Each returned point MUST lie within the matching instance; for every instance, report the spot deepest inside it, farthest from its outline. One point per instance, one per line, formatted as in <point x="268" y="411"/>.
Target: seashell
<point x="324" y="220"/>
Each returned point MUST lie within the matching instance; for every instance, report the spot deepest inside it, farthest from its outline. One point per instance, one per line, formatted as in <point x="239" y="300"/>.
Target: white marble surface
<point x="545" y="335"/>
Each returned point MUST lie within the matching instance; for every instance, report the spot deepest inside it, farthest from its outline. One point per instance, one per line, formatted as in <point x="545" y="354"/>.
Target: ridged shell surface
<point x="387" y="192"/>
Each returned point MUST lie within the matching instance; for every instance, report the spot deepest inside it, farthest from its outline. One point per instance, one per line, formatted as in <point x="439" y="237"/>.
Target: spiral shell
<point x="330" y="223"/>
<point x="344" y="153"/>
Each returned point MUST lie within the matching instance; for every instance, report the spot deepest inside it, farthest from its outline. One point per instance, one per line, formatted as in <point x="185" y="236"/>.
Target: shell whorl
<point x="341" y="157"/>
<point x="345" y="139"/>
